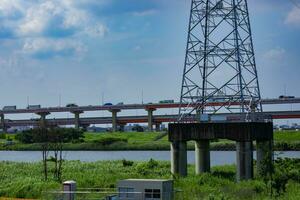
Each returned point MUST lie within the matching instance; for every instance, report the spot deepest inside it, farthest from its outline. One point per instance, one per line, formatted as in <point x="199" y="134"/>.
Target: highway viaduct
<point x="116" y="120"/>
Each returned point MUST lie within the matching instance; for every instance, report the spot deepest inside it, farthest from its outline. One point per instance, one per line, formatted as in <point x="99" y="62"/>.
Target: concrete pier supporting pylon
<point x="179" y="158"/>
<point x="244" y="161"/>
<point x="202" y="156"/>
<point x="264" y="157"/>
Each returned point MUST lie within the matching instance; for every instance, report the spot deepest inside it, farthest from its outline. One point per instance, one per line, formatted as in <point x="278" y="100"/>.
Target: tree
<point x="41" y="135"/>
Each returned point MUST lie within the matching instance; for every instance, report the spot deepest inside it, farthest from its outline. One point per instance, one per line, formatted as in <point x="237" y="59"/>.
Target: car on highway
<point x="120" y="103"/>
<point x="71" y="105"/>
<point x="166" y="101"/>
<point x="108" y="104"/>
<point x="286" y="97"/>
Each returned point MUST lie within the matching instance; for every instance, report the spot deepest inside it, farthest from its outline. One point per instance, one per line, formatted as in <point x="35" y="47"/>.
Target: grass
<point x="24" y="180"/>
<point x="287" y="136"/>
<point x="284" y="140"/>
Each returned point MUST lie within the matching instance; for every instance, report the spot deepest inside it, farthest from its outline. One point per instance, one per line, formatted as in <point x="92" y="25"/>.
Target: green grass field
<point x="287" y="136"/>
<point x="24" y="180"/>
<point x="284" y="140"/>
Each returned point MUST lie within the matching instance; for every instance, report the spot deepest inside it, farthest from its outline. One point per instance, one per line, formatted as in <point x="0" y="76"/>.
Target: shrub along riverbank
<point x="25" y="180"/>
<point x="283" y="141"/>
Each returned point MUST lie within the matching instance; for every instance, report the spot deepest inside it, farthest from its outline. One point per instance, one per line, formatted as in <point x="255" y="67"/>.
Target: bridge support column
<point x="157" y="126"/>
<point x="244" y="161"/>
<point x="122" y="127"/>
<point x="77" y="118"/>
<point x="150" y="118"/>
<point x="43" y="121"/>
<point x="264" y="157"/>
<point x="179" y="158"/>
<point x="114" y="119"/>
<point x="202" y="156"/>
<point x="4" y="128"/>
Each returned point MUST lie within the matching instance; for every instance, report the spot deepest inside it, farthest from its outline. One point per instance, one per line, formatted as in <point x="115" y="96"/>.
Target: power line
<point x="296" y="3"/>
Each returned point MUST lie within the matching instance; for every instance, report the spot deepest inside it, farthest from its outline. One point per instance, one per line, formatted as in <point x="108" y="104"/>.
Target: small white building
<point x="145" y="189"/>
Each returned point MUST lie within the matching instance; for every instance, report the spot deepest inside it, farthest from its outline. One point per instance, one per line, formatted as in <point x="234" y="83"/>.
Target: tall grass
<point x="24" y="180"/>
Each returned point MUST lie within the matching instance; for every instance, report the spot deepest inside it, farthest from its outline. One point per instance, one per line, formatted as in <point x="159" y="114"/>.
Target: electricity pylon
<point x="219" y="65"/>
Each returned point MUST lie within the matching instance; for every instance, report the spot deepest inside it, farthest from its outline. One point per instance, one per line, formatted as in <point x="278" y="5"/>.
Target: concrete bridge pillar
<point x="157" y="126"/>
<point x="4" y="128"/>
<point x="122" y="127"/>
<point x="114" y="119"/>
<point x="179" y="158"/>
<point x="264" y="157"/>
<point x="150" y="118"/>
<point x="244" y="161"/>
<point x="77" y="118"/>
<point x="202" y="156"/>
<point x="43" y="121"/>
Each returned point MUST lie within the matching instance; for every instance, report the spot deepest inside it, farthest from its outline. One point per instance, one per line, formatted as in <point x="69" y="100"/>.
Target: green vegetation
<point x="25" y="180"/>
<point x="287" y="136"/>
<point x="284" y="140"/>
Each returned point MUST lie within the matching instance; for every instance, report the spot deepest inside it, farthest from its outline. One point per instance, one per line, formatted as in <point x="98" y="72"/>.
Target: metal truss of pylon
<point x="219" y="64"/>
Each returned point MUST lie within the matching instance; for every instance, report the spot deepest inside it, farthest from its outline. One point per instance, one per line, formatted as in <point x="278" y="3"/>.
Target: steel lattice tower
<point x="219" y="64"/>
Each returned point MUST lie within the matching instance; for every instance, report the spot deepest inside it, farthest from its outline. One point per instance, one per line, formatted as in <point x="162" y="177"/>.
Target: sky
<point x="93" y="51"/>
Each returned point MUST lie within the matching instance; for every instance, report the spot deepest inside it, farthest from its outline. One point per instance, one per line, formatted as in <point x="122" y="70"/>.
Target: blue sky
<point x="85" y="48"/>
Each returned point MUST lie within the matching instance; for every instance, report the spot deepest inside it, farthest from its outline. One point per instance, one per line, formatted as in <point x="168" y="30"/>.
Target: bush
<point x="2" y="136"/>
<point x="127" y="163"/>
<point x="110" y="140"/>
<point x="39" y="135"/>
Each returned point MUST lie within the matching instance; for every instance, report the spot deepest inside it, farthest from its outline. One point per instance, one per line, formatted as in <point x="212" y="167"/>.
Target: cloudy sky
<point x="83" y="49"/>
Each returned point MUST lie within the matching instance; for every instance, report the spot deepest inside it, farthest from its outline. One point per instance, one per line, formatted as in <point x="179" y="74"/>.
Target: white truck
<point x="9" y="108"/>
<point x="33" y="107"/>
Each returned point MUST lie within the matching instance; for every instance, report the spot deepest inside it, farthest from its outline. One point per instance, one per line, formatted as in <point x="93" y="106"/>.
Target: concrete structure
<point x="77" y="118"/>
<point x="69" y="189"/>
<point x="86" y="121"/>
<point x="157" y="126"/>
<point x="143" y="189"/>
<point x="114" y="119"/>
<point x="264" y="156"/>
<point x="179" y="157"/>
<point x="241" y="132"/>
<point x="244" y="160"/>
<point x="202" y="156"/>
<point x="150" y="118"/>
<point x="43" y="122"/>
<point x="142" y="106"/>
<point x="3" y="125"/>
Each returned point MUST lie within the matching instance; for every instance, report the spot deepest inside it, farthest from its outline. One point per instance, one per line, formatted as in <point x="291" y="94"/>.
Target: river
<point x="217" y="157"/>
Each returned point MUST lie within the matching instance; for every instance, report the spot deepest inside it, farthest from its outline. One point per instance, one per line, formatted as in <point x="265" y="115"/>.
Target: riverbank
<point x="24" y="180"/>
<point x="149" y="141"/>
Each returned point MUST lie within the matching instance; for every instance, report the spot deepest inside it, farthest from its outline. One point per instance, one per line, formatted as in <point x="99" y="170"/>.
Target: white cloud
<point x="145" y="13"/>
<point x="10" y="8"/>
<point x="61" y="23"/>
<point x="275" y="54"/>
<point x="98" y="30"/>
<point x="293" y="17"/>
<point x="47" y="48"/>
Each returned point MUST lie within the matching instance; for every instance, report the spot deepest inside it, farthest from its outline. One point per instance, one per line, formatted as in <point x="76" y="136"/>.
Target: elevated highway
<point x="138" y="106"/>
<point x="157" y="119"/>
<point x="121" y="121"/>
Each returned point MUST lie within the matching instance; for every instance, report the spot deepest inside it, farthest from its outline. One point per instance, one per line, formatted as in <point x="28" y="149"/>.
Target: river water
<point x="217" y="157"/>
